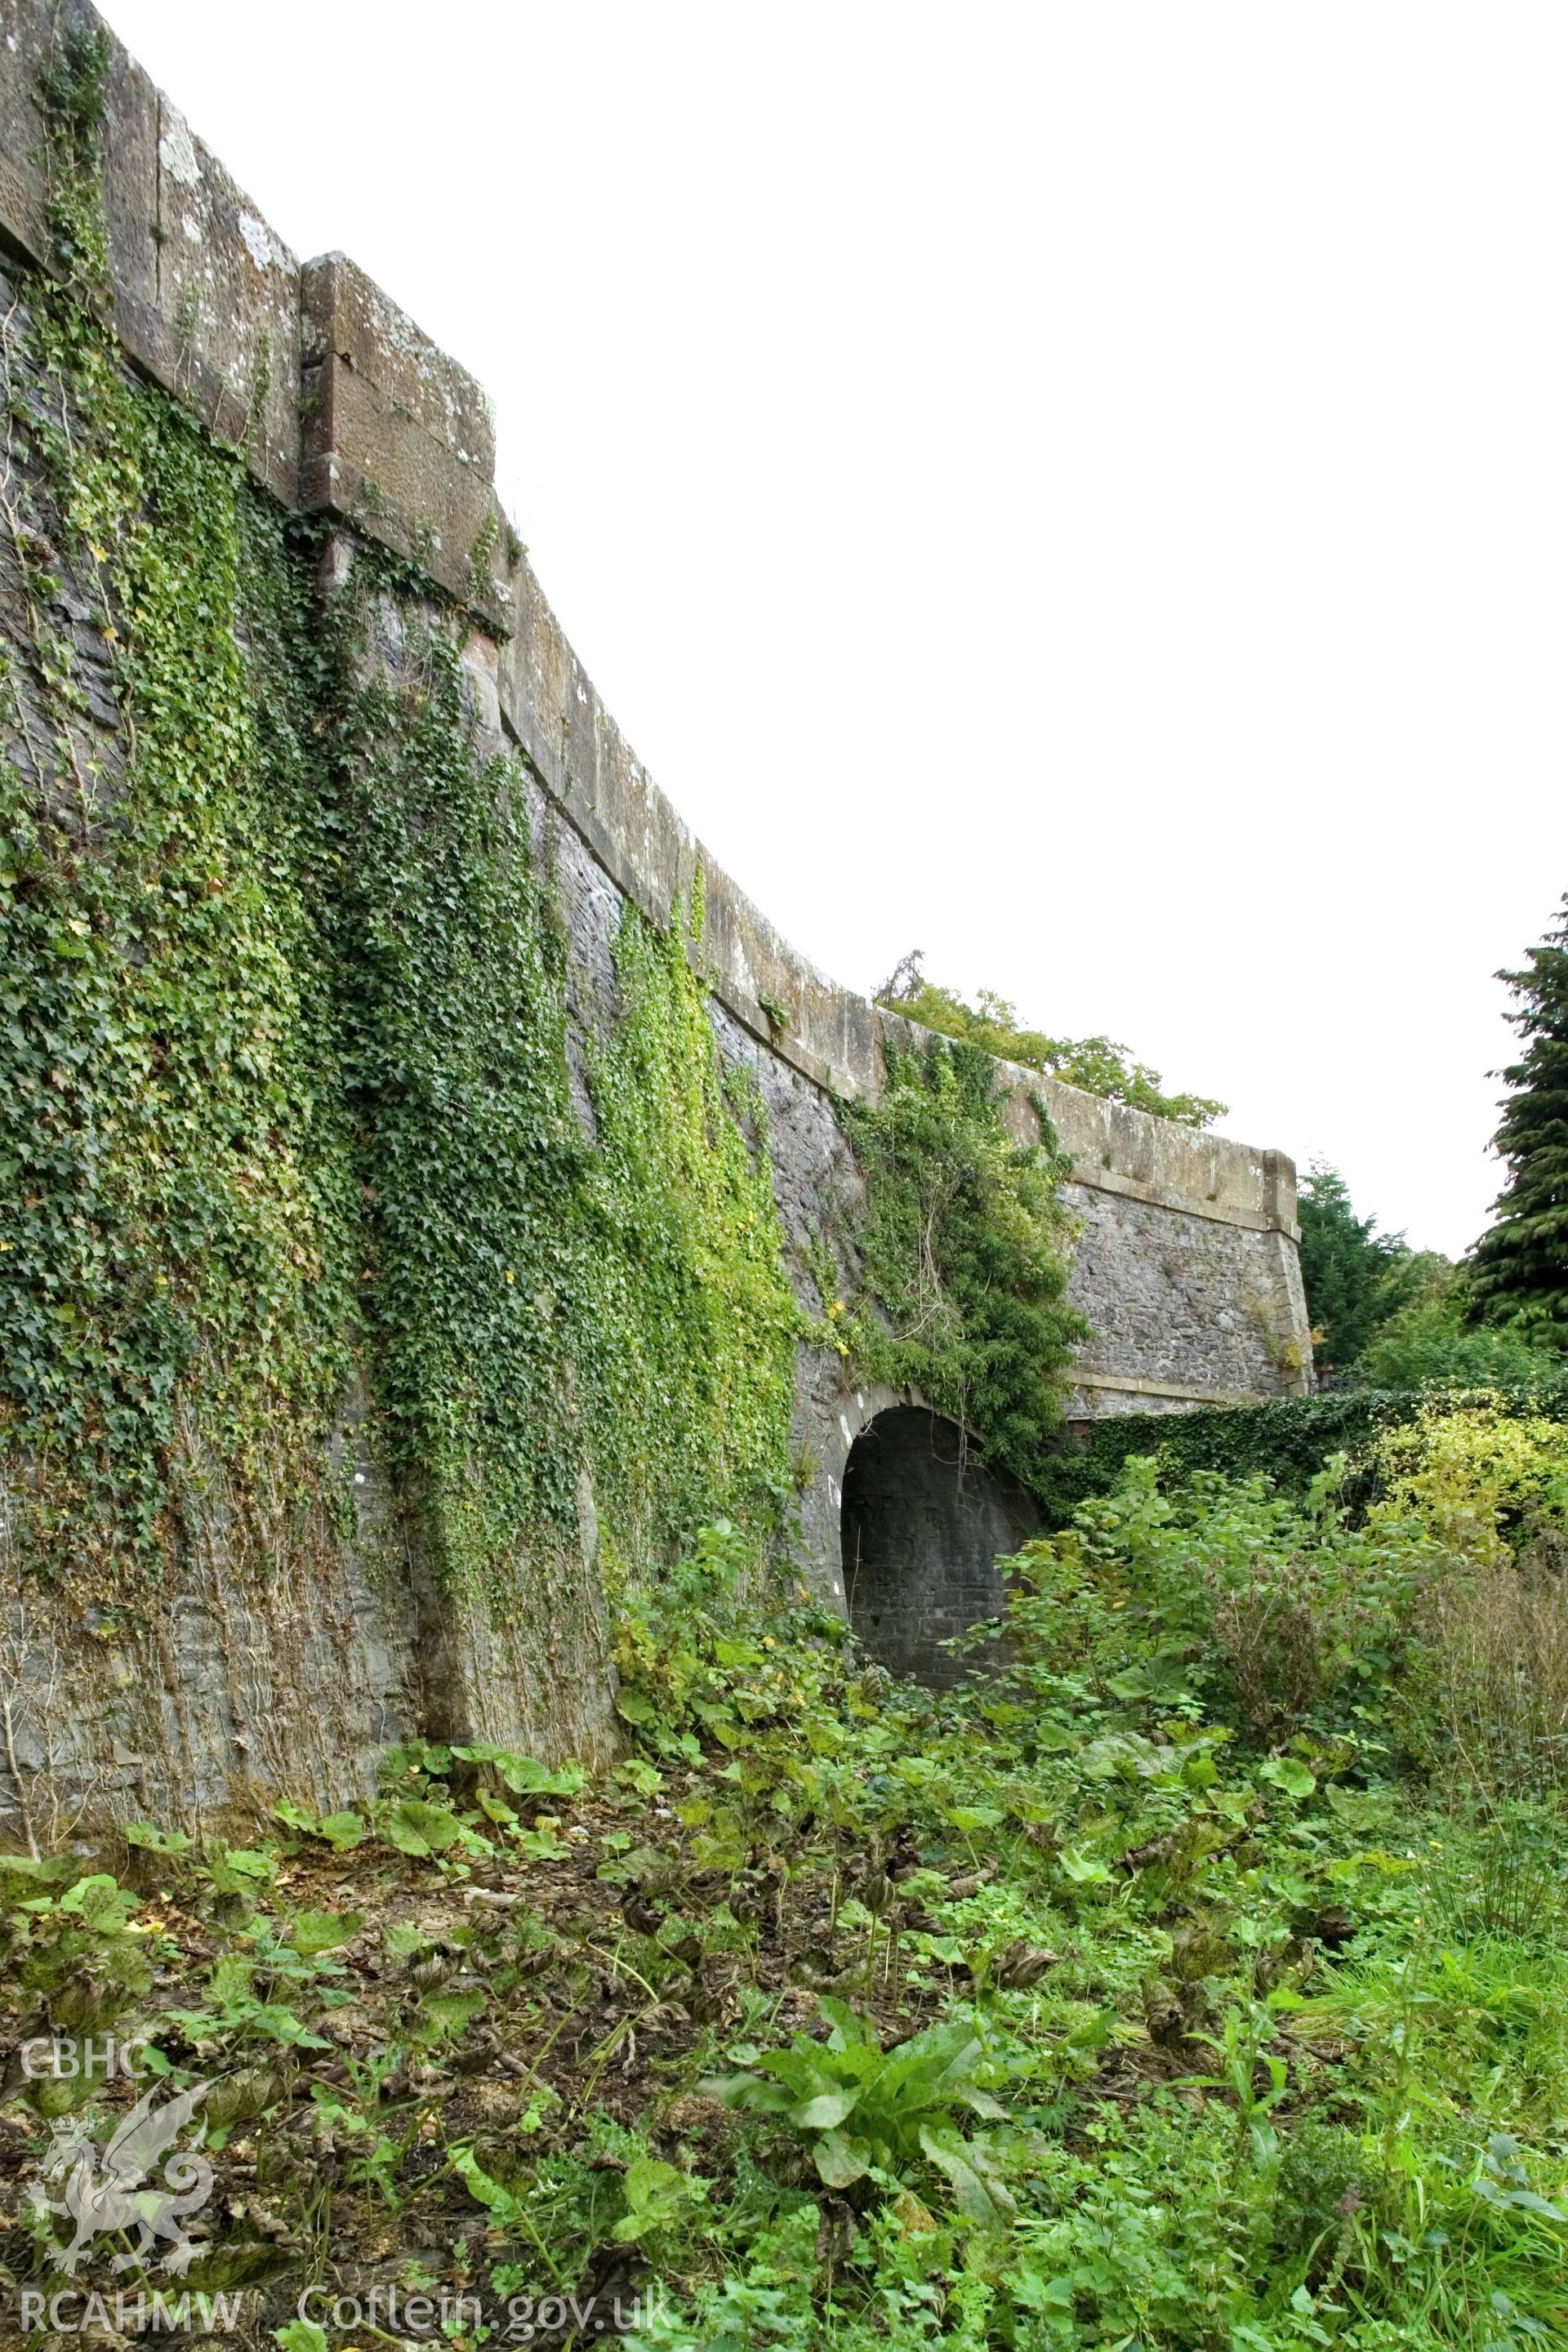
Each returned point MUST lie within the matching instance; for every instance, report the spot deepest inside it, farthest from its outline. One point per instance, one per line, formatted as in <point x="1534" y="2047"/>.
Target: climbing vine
<point x="450" y="967"/>
<point x="285" y="1079"/>
<point x="964" y="1266"/>
<point x="539" y="1305"/>
<point x="169" y="1286"/>
<point x="72" y="96"/>
<point x="694" y="1396"/>
<point x="285" y="1094"/>
<point x="284" y="1085"/>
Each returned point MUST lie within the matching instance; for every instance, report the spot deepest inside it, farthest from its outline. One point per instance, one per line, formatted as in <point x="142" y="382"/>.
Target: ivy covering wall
<point x="285" y="1088"/>
<point x="286" y="1105"/>
<point x="172" y="1281"/>
<point x="962" y="1251"/>
<point x="284" y="1094"/>
<point x="540" y="1303"/>
<point x="285" y="1081"/>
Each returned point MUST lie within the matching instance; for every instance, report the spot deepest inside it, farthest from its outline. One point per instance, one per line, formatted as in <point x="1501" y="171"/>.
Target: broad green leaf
<point x="156" y="1840"/>
<point x="839" y="2160"/>
<point x="977" y="2191"/>
<point x="322" y="1931"/>
<point x="343" y="1832"/>
<point x="417" y="1827"/>
<point x="100" y="1903"/>
<point x="849" y="2028"/>
<point x="249" y="1862"/>
<point x="826" y="2110"/>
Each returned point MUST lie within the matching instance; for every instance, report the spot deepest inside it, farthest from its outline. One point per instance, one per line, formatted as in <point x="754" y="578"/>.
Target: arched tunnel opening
<point x="922" y="1525"/>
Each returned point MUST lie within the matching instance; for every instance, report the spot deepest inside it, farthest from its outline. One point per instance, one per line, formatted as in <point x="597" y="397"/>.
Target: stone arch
<point x="922" y="1525"/>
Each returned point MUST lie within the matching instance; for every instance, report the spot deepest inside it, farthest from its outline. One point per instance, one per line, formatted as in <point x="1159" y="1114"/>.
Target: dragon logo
<point x="103" y="2190"/>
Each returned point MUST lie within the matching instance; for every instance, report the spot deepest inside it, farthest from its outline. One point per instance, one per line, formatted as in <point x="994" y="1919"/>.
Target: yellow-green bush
<point x="1480" y="1481"/>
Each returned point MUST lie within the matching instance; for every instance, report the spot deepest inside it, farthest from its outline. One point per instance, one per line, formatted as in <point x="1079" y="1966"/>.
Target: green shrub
<point x="1275" y="1610"/>
<point x="864" y="2111"/>
<point x="1428" y="1342"/>
<point x="1286" y="1440"/>
<point x="1097" y="1065"/>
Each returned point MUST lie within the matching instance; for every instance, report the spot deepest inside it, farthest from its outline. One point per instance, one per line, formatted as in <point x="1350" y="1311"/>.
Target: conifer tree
<point x="1352" y="1274"/>
<point x="1521" y="1264"/>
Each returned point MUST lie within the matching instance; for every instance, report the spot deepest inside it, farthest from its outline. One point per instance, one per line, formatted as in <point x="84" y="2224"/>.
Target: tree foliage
<point x="1430" y="1342"/>
<point x="1521" y="1264"/>
<point x="1097" y="1064"/>
<point x="1353" y="1273"/>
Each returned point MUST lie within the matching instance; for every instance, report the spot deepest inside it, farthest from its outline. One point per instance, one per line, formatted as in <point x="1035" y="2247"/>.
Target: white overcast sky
<point x="1079" y="489"/>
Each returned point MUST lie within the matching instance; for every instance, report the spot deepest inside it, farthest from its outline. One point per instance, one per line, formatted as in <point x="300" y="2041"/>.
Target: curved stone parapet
<point x="342" y="405"/>
<point x="1186" y="1263"/>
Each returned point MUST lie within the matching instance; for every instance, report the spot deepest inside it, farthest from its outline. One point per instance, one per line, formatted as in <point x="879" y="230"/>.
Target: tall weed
<point x="1484" y="1704"/>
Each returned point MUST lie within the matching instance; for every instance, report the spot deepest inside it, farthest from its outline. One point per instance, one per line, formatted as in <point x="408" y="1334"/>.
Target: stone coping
<point x="339" y="405"/>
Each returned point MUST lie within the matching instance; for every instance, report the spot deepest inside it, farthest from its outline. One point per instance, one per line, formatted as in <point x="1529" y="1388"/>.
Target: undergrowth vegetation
<point x="1192" y="1978"/>
<point x="1287" y="1439"/>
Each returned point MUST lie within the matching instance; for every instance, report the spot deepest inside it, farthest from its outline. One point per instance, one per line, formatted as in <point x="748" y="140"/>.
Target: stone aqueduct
<point x="1187" y="1261"/>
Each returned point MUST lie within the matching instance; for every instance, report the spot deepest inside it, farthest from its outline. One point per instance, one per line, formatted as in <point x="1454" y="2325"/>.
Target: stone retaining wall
<point x="1187" y="1263"/>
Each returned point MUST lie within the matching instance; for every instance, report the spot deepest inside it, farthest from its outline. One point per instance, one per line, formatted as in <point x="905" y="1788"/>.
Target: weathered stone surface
<point x="1184" y="1302"/>
<point x="348" y="312"/>
<point x="26" y="42"/>
<point x="203" y="293"/>
<point x="34" y="40"/>
<point x="228" y="308"/>
<point x="551" y="711"/>
<point x="224" y="1692"/>
<point x="396" y="437"/>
